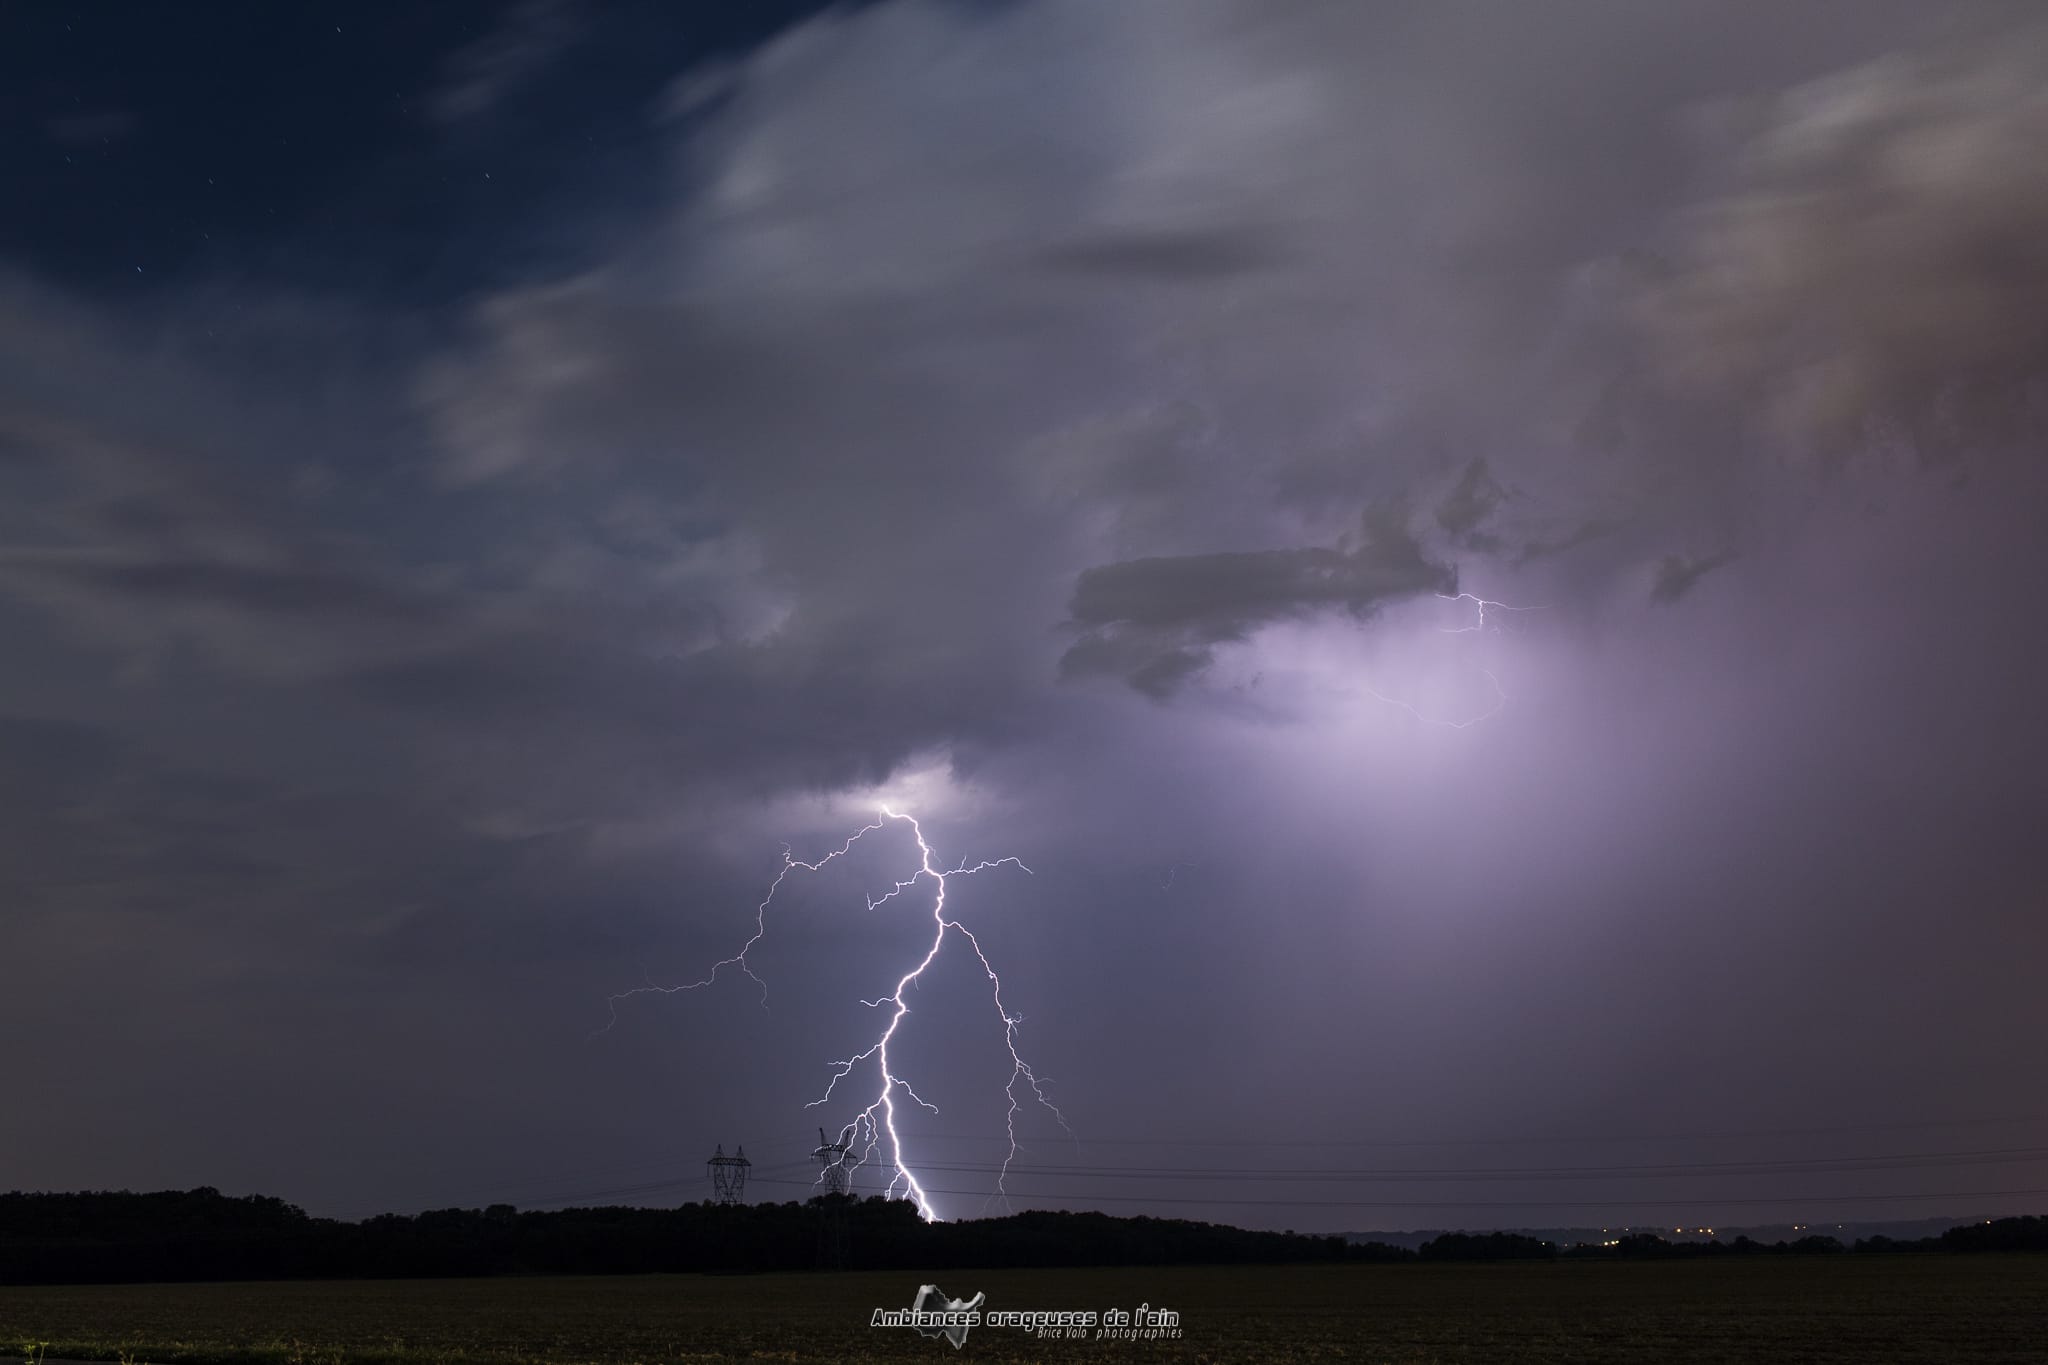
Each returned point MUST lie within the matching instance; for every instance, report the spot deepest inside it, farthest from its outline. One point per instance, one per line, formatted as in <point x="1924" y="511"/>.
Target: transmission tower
<point x="728" y="1174"/>
<point x="833" y="1172"/>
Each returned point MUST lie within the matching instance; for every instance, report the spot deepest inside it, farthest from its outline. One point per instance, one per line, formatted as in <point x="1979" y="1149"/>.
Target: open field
<point x="1808" y="1309"/>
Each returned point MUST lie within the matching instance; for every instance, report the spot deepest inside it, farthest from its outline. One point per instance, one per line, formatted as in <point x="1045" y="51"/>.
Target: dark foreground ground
<point x="1807" y="1309"/>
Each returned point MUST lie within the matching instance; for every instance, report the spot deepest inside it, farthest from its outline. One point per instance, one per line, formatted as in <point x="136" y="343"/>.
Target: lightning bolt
<point x="739" y="959"/>
<point x="874" y="1126"/>
<point x="1500" y="700"/>
<point x="1500" y="696"/>
<point x="1479" y="623"/>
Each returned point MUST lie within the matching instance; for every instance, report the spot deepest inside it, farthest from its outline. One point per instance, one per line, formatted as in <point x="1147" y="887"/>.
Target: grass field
<point x="1807" y="1309"/>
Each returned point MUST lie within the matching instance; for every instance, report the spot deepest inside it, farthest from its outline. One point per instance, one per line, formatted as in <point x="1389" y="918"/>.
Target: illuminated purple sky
<point x="472" y="489"/>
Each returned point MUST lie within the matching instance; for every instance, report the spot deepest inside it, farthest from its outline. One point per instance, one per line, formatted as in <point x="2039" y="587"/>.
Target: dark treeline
<point x="2004" y="1234"/>
<point x="106" y="1237"/>
<point x="204" y="1235"/>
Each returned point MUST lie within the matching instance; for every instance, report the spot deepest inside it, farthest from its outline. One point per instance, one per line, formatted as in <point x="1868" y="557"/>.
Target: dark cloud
<point x="140" y="545"/>
<point x="1466" y="507"/>
<point x="1584" y="534"/>
<point x="1156" y="621"/>
<point x="1165" y="256"/>
<point x="281" y="592"/>
<point x="1876" y="262"/>
<point x="1677" y="575"/>
<point x="389" y="689"/>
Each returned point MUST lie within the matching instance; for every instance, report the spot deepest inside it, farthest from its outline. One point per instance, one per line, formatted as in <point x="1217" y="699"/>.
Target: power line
<point x="1517" y="1141"/>
<point x="1899" y="1161"/>
<point x="521" y="1189"/>
<point x="1507" y="1204"/>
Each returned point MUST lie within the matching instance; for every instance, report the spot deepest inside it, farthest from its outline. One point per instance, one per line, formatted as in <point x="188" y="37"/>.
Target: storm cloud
<point x="1874" y="264"/>
<point x="1079" y="423"/>
<point x="1154" y="621"/>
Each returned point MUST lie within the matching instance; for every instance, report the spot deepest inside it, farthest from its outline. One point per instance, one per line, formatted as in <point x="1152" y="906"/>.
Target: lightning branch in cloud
<point x="873" y="1128"/>
<point x="1479" y="621"/>
<point x="1500" y="700"/>
<point x="1477" y="624"/>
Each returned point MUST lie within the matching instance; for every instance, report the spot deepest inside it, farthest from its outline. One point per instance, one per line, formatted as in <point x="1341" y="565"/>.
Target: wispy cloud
<point x="480" y="75"/>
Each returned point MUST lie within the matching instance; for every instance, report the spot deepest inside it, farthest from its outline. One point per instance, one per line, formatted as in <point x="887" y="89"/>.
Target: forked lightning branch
<point x="873" y="1133"/>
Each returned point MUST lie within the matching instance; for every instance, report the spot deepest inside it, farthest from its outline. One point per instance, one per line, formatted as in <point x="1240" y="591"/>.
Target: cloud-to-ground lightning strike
<point x="874" y="1126"/>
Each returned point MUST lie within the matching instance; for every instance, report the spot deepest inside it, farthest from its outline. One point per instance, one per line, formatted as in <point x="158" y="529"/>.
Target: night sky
<point x="477" y="480"/>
